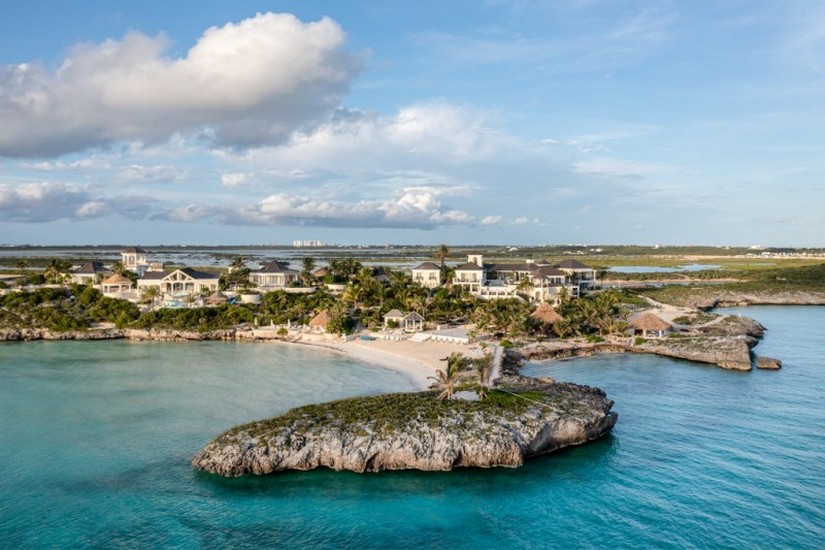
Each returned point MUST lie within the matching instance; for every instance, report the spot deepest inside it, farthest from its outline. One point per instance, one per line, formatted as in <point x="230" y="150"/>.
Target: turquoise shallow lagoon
<point x="96" y="439"/>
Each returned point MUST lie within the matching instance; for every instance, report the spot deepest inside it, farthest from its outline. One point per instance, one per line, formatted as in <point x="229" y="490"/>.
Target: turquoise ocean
<point x="96" y="440"/>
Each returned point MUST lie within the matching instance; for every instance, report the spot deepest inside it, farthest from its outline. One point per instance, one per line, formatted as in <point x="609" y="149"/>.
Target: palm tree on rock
<point x="446" y="379"/>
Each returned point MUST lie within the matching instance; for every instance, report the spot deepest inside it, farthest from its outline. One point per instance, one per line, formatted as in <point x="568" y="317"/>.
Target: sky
<point x="371" y="122"/>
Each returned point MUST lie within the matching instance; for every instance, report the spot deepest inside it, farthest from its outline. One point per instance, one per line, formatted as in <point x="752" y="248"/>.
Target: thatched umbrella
<point x="648" y="322"/>
<point x="546" y="314"/>
<point x="320" y="321"/>
<point x="216" y="299"/>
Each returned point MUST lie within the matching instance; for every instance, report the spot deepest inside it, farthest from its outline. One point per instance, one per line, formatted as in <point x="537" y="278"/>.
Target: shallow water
<point x="96" y="439"/>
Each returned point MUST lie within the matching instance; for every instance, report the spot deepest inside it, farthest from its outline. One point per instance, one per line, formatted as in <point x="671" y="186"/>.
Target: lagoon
<point x="96" y="438"/>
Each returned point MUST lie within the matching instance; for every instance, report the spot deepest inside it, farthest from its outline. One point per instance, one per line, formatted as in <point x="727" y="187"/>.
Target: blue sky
<point x="501" y="122"/>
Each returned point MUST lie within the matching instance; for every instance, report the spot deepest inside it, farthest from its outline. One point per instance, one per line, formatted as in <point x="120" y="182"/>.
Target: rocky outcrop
<point x="29" y="334"/>
<point x="768" y="363"/>
<point x="524" y="418"/>
<point x="154" y="334"/>
<point x="729" y="298"/>
<point x="726" y="343"/>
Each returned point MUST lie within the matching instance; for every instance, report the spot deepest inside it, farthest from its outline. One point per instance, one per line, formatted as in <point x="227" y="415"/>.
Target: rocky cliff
<point x="524" y="418"/>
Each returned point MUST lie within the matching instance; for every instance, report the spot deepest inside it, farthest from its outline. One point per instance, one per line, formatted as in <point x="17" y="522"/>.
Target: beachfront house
<point x="179" y="282"/>
<point x="427" y="275"/>
<point x="536" y="280"/>
<point x="274" y="275"/>
<point x="581" y="275"/>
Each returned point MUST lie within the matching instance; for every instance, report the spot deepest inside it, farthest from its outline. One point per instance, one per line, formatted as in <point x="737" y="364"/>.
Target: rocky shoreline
<point x="730" y="298"/>
<point x="159" y="335"/>
<point x="525" y="418"/>
<point x="728" y="345"/>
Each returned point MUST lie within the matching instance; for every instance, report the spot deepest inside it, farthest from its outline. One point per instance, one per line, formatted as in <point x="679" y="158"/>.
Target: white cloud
<point x="248" y="84"/>
<point x="491" y="220"/>
<point x="233" y="179"/>
<point x="43" y="201"/>
<point x="412" y="208"/>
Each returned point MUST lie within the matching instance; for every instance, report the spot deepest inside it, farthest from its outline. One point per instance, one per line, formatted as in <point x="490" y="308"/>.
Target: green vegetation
<point x="400" y="411"/>
<point x="63" y="309"/>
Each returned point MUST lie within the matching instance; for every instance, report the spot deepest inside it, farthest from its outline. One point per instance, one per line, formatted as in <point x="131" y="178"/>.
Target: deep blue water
<point x="96" y="438"/>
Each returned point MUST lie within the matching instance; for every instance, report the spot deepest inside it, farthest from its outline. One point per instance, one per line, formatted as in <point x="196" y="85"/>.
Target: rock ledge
<point x="521" y="419"/>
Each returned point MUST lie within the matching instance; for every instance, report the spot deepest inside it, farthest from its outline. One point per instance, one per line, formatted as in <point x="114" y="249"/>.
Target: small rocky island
<point x="518" y="419"/>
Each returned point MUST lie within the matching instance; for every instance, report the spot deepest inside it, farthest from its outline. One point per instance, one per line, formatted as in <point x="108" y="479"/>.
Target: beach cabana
<point x="413" y="322"/>
<point x="319" y="322"/>
<point x="216" y="299"/>
<point x="117" y="284"/>
<point x="648" y="324"/>
<point x="546" y="314"/>
<point x="393" y="316"/>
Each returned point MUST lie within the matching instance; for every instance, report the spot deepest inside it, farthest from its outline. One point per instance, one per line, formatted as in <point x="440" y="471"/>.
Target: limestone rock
<point x="415" y="431"/>
<point x="768" y="363"/>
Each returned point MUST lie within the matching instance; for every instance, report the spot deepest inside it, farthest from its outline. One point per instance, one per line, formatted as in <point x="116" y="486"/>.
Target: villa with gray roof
<point x="274" y="275"/>
<point x="181" y="281"/>
<point x="427" y="275"/>
<point x="540" y="281"/>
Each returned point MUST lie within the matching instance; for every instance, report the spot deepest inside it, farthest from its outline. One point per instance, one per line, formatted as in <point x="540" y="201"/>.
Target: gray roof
<point x="133" y="250"/>
<point x="427" y="265"/>
<point x="393" y="314"/>
<point x="469" y="266"/>
<point x="91" y="268"/>
<point x="158" y="275"/>
<point x="571" y="264"/>
<point x="548" y="271"/>
<point x="413" y="316"/>
<point x="275" y="266"/>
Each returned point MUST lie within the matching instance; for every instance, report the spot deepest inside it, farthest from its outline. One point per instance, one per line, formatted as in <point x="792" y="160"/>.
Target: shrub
<point x="638" y="341"/>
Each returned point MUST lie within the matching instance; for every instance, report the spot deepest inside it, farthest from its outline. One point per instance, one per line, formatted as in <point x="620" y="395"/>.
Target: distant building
<point x="307" y="244"/>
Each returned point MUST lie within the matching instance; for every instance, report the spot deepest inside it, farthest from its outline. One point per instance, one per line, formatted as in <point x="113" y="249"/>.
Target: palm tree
<point x="445" y="380"/>
<point x="54" y="271"/>
<point x="150" y="294"/>
<point x="306" y="274"/>
<point x="483" y="372"/>
<point x="237" y="263"/>
<point x="441" y="254"/>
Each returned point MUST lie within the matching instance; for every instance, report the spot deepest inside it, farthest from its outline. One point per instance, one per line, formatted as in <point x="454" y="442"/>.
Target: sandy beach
<point x="415" y="360"/>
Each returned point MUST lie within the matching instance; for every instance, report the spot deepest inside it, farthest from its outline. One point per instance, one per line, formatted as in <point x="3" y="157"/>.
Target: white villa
<point x="273" y="275"/>
<point x="181" y="281"/>
<point x="539" y="280"/>
<point x="90" y="273"/>
<point x="134" y="259"/>
<point x="427" y="275"/>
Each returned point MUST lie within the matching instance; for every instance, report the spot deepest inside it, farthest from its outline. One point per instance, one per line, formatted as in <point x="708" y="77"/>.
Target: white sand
<point x="415" y="360"/>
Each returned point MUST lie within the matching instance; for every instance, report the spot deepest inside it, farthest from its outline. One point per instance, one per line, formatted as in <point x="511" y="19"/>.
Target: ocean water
<point x="96" y="439"/>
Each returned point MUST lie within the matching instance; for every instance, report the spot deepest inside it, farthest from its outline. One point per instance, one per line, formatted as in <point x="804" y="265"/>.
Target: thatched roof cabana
<point x="118" y="279"/>
<point x="648" y="322"/>
<point x="546" y="314"/>
<point x="216" y="299"/>
<point x="320" y="321"/>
